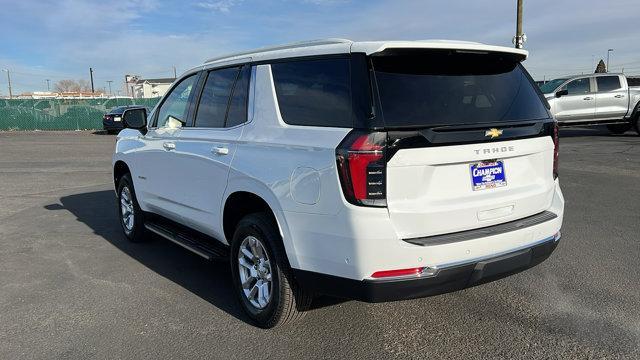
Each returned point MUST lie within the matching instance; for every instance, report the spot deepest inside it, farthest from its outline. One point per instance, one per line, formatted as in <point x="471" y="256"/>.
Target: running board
<point x="206" y="249"/>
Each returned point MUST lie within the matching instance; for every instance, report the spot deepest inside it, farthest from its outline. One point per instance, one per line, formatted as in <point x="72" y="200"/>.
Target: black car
<point x="112" y="121"/>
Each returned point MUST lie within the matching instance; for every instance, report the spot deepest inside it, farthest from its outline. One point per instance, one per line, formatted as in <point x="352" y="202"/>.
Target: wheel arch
<point x="119" y="169"/>
<point x="242" y="201"/>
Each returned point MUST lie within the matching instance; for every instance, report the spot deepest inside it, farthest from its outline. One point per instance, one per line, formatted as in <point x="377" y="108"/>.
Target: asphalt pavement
<point x="72" y="287"/>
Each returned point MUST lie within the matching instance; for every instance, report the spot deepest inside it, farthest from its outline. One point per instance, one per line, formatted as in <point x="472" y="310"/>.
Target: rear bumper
<point x="449" y="278"/>
<point x="112" y="125"/>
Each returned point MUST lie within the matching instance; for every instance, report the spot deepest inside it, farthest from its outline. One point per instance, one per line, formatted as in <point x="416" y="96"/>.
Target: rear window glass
<point x="445" y="87"/>
<point x="118" y="110"/>
<point x="237" y="113"/>
<point x="314" y="92"/>
<point x="212" y="108"/>
<point x="608" y="83"/>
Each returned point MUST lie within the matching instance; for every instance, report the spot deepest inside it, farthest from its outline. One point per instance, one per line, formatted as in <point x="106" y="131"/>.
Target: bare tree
<point x="69" y="85"/>
<point x="601" y="68"/>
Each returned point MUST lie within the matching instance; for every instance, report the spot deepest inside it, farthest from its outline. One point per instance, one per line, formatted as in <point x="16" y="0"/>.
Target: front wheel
<point x="130" y="214"/>
<point x="619" y="128"/>
<point x="261" y="274"/>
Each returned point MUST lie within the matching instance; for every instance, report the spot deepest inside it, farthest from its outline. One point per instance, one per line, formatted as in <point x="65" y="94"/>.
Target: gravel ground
<point x="72" y="287"/>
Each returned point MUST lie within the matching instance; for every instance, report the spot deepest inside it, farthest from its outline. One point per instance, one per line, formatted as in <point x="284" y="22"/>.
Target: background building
<point x="146" y="88"/>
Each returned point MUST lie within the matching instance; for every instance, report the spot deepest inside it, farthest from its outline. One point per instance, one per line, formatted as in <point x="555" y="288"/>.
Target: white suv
<point x="374" y="171"/>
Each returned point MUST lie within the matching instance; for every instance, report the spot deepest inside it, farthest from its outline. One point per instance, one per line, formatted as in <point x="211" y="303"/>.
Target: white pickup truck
<point x="595" y="99"/>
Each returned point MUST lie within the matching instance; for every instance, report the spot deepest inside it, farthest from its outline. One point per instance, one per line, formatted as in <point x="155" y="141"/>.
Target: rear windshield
<point x="446" y="87"/>
<point x="118" y="110"/>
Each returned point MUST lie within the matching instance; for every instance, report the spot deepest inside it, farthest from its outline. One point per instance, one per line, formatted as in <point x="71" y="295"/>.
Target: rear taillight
<point x="556" y="149"/>
<point x="362" y="168"/>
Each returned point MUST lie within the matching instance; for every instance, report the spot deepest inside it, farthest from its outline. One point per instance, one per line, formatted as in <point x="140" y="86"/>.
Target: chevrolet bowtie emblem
<point x="494" y="133"/>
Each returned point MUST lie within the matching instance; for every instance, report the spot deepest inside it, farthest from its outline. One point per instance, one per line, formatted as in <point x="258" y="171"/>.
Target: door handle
<point x="220" y="150"/>
<point x="588" y="98"/>
<point x="169" y="146"/>
<point x="619" y="96"/>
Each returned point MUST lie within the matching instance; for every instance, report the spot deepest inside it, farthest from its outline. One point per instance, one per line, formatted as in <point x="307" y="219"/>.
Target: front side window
<point x="608" y="83"/>
<point x="314" y="92"/>
<point x="578" y="87"/>
<point x="550" y="86"/>
<point x="175" y="106"/>
<point x="212" y="108"/>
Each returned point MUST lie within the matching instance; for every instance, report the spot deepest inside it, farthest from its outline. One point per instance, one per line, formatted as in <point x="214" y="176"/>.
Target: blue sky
<point x="61" y="39"/>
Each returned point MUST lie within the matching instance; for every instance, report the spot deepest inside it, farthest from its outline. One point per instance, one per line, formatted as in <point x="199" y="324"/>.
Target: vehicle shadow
<point x="210" y="281"/>
<point x="102" y="132"/>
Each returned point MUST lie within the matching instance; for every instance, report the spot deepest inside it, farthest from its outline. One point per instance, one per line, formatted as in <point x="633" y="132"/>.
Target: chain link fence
<point x="60" y="114"/>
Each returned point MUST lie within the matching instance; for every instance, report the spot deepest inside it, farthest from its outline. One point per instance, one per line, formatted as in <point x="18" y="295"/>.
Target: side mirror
<point x="562" y="93"/>
<point x="135" y="118"/>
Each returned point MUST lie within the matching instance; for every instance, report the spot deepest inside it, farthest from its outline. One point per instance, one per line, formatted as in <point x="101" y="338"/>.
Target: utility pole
<point x="48" y="89"/>
<point x="109" y="82"/>
<point x="175" y="76"/>
<point x="91" y="74"/>
<point x="608" y="52"/>
<point x="9" y="81"/>
<point x="520" y="37"/>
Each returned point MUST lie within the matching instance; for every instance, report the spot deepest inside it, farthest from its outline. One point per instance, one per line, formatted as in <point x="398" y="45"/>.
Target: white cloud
<point x="223" y="6"/>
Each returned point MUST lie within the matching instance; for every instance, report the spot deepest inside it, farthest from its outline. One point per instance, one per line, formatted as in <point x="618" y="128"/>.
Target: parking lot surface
<point x="71" y="286"/>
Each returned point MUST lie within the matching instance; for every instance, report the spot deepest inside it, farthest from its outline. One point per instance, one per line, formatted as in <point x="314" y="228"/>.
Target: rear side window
<point x="237" y="113"/>
<point x="314" y="92"/>
<point x="212" y="107"/>
<point x="608" y="83"/>
<point x="419" y="88"/>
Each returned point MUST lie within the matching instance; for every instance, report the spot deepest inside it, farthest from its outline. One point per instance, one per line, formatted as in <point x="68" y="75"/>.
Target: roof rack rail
<point x="299" y="44"/>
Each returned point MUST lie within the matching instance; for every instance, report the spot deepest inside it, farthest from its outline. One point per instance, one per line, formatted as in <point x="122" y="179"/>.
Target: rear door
<point x="468" y="141"/>
<point x="611" y="98"/>
<point x="580" y="102"/>
<point x="205" y="151"/>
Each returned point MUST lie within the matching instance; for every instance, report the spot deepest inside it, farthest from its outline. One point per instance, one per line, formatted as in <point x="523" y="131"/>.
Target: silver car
<point x="595" y="99"/>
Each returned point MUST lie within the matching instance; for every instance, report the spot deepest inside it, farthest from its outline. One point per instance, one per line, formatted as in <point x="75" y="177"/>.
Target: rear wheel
<point x="130" y="214"/>
<point x="636" y="123"/>
<point x="619" y="128"/>
<point x="261" y="274"/>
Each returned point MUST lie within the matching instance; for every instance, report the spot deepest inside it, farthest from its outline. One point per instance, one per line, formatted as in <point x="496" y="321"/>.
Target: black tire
<point x="619" y="128"/>
<point x="636" y="123"/>
<point x="137" y="233"/>
<point x="288" y="301"/>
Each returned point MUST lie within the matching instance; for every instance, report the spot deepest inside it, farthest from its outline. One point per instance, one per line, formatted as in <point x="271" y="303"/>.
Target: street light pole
<point x="9" y="81"/>
<point x="608" y="52"/>
<point x="48" y="89"/>
<point x="91" y="75"/>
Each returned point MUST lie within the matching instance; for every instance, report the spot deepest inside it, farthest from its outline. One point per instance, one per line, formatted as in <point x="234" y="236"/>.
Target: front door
<point x="579" y="104"/>
<point x="158" y="181"/>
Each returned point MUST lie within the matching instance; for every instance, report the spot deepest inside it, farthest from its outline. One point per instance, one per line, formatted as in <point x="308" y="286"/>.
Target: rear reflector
<point x="396" y="273"/>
